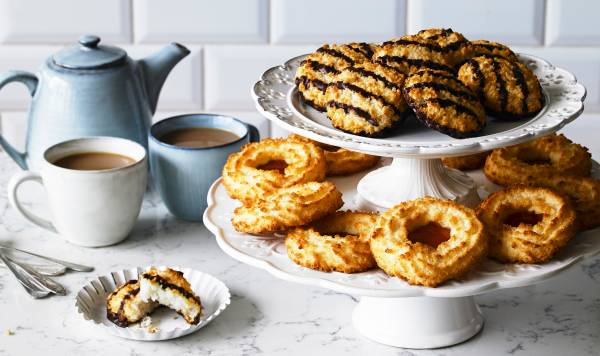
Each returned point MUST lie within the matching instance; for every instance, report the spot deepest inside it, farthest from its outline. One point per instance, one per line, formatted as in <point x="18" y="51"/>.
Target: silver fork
<point x="74" y="266"/>
<point x="33" y="289"/>
<point x="46" y="270"/>
<point x="45" y="283"/>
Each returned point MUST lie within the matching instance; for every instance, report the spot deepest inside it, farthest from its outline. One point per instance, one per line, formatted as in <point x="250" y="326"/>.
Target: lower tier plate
<point x="269" y="253"/>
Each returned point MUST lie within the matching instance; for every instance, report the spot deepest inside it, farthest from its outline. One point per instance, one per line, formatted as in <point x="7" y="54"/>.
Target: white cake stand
<point x="390" y="310"/>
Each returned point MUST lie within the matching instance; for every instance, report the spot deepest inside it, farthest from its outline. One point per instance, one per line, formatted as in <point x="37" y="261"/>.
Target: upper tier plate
<point x="276" y="98"/>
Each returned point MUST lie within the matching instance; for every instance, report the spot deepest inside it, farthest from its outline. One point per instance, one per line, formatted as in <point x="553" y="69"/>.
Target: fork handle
<point x="33" y="289"/>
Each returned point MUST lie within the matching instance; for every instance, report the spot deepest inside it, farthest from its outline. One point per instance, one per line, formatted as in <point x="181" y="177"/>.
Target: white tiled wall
<point x="233" y="41"/>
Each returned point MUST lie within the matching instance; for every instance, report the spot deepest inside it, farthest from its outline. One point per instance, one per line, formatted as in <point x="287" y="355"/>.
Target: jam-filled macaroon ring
<point x="583" y="192"/>
<point x="428" y="241"/>
<point x="543" y="157"/>
<point x="526" y="224"/>
<point x="339" y="242"/>
<point x="286" y="208"/>
<point x="262" y="167"/>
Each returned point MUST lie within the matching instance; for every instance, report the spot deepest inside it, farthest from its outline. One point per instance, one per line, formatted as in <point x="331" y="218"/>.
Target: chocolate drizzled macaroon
<point x="443" y="103"/>
<point x="453" y="44"/>
<point x="366" y="100"/>
<point x="320" y="68"/>
<point x="169" y="288"/>
<point x="482" y="47"/>
<point x="433" y="49"/>
<point x="125" y="307"/>
<point x="508" y="89"/>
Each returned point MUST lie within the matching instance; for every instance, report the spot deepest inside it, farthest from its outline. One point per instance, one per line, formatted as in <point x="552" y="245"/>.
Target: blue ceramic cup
<point x="183" y="175"/>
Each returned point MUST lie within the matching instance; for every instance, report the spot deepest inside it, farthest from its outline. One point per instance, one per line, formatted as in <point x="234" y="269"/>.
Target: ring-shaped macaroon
<point x="339" y="242"/>
<point x="262" y="167"/>
<point x="583" y="192"/>
<point x="468" y="162"/>
<point x="546" y="156"/>
<point x="287" y="208"/>
<point x="428" y="241"/>
<point x="340" y="161"/>
<point x="526" y="224"/>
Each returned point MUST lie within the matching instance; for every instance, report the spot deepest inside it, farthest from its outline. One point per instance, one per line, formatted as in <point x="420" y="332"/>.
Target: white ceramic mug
<point x="90" y="208"/>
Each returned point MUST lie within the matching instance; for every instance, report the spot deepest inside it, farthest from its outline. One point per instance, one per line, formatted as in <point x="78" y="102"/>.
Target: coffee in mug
<point x="97" y="199"/>
<point x="199" y="137"/>
<point x="187" y="154"/>
<point x="94" y="161"/>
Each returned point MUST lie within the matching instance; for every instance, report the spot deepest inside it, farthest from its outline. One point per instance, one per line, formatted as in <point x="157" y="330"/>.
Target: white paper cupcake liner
<point x="91" y="304"/>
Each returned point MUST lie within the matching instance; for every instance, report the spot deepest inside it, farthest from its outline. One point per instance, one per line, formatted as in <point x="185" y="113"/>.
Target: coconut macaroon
<point x="124" y="306"/>
<point x="169" y="288"/>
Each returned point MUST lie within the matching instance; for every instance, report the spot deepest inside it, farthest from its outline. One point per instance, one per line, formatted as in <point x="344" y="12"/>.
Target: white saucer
<point x="91" y="304"/>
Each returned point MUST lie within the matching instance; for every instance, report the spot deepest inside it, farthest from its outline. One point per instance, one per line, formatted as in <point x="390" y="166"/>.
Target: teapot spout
<point x="156" y="68"/>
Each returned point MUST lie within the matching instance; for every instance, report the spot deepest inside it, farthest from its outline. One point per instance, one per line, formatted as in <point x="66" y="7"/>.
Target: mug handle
<point x="13" y="187"/>
<point x="31" y="82"/>
<point x="253" y="133"/>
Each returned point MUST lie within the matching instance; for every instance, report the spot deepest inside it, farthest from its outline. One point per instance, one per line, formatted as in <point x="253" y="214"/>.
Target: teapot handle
<point x="31" y="82"/>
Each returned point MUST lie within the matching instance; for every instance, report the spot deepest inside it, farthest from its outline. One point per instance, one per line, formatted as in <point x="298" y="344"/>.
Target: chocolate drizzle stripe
<point x="319" y="84"/>
<point x="442" y="87"/>
<point x="353" y="109"/>
<point x="380" y="78"/>
<point x="443" y="32"/>
<point x="436" y="74"/>
<point x="492" y="46"/>
<point x="337" y="54"/>
<point x="119" y="318"/>
<point x="320" y="67"/>
<point x="430" y="46"/>
<point x="166" y="285"/>
<point x="366" y="49"/>
<point x="356" y="50"/>
<point x="500" y="83"/>
<point x="520" y="79"/>
<point x="367" y="94"/>
<point x="444" y="103"/>
<point x="415" y="62"/>
<point x="478" y="76"/>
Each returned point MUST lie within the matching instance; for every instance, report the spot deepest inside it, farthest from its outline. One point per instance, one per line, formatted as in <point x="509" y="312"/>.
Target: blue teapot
<point x="90" y="90"/>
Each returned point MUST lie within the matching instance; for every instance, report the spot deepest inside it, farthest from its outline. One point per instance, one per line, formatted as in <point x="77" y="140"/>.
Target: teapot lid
<point x="88" y="54"/>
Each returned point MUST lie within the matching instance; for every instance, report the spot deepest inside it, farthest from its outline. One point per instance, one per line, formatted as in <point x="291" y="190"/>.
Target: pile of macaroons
<point x="548" y="196"/>
<point x="449" y="82"/>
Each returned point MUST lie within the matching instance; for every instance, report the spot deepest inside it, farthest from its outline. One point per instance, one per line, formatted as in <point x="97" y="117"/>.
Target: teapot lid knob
<point x="89" y="41"/>
<point x="89" y="54"/>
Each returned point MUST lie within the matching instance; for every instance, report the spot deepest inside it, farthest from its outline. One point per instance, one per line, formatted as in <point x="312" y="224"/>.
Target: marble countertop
<point x="268" y="315"/>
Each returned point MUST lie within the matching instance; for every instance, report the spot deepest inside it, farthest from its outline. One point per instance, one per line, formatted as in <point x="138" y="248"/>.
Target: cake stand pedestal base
<point x="418" y="322"/>
<point x="411" y="178"/>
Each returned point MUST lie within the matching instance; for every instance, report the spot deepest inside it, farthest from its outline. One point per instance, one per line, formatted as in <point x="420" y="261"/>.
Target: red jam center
<point x="431" y="234"/>
<point x="275" y="165"/>
<point x="523" y="217"/>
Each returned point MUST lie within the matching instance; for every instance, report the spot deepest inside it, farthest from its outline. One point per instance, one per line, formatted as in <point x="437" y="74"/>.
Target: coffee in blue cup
<point x="187" y="154"/>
